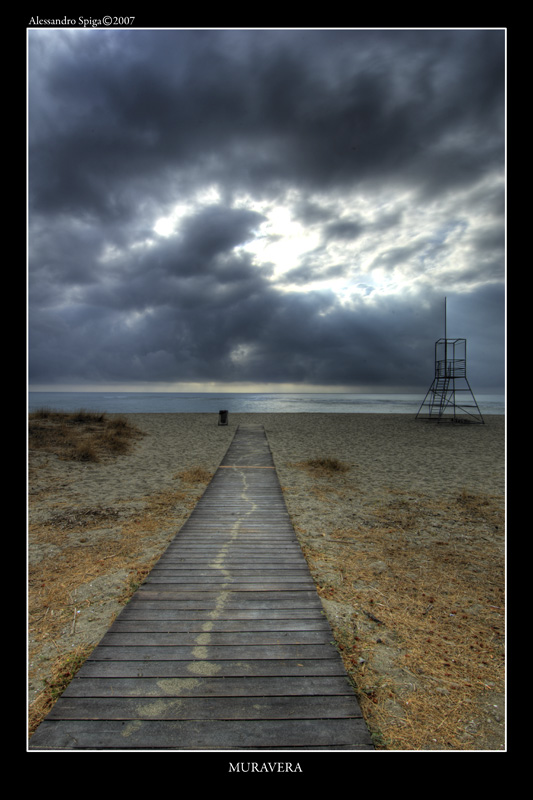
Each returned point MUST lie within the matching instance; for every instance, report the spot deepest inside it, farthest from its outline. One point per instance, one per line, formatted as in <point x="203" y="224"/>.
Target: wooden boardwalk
<point x="225" y="646"/>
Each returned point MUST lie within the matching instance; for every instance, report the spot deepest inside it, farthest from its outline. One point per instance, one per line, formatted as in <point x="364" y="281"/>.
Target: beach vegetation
<point x="60" y="673"/>
<point x="195" y="475"/>
<point x="80" y="435"/>
<point x="324" y="466"/>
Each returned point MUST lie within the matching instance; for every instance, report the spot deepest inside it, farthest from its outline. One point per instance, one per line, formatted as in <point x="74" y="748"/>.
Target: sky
<point x="264" y="209"/>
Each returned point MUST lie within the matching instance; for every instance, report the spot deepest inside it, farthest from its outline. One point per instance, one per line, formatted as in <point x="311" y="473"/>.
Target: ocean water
<point x="203" y="402"/>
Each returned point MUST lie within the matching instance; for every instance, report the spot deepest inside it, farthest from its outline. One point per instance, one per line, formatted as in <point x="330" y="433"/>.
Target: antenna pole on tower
<point x="445" y="341"/>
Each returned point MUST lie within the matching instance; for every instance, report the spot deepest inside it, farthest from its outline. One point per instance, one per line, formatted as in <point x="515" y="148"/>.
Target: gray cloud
<point x="384" y="150"/>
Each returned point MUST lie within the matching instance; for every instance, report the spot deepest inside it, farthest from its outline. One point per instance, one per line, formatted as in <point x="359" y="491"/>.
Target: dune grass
<point x="323" y="466"/>
<point x="80" y="435"/>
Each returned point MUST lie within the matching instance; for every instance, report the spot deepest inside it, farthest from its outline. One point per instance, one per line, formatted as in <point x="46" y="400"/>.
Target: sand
<point x="394" y="463"/>
<point x="385" y="451"/>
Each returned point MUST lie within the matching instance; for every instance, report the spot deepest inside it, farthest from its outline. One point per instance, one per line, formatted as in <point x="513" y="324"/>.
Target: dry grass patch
<point x="54" y="581"/>
<point x="80" y="435"/>
<point x="195" y="475"/>
<point x="62" y="671"/>
<point x="325" y="466"/>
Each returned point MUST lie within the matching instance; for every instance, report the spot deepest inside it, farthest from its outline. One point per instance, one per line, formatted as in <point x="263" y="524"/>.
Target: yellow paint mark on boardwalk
<point x="131" y="727"/>
<point x="203" y="668"/>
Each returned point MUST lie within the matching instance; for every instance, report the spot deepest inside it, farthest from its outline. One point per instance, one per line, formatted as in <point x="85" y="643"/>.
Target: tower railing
<point x="450" y="368"/>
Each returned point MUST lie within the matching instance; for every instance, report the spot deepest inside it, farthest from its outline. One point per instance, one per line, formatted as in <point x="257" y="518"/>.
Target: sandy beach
<point x="405" y="542"/>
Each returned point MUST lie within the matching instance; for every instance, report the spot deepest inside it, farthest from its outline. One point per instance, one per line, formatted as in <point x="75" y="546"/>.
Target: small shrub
<point x="84" y="417"/>
<point x="41" y="413"/>
<point x="84" y="451"/>
<point x="195" y="475"/>
<point x="327" y="466"/>
<point x="119" y="424"/>
<point x="114" y="442"/>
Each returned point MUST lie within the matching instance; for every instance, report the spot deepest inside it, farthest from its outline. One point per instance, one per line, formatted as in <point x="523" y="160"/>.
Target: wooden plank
<point x="241" y="601"/>
<point x="302" y="669"/>
<point x="274" y="686"/>
<point x="223" y="575"/>
<point x="130" y="638"/>
<point x="225" y="645"/>
<point x="242" y="616"/>
<point x="210" y="708"/>
<point x="213" y="653"/>
<point x="218" y="567"/>
<point x="348" y="734"/>
<point x="251" y="596"/>
<point x="184" y="587"/>
<point x="202" y="625"/>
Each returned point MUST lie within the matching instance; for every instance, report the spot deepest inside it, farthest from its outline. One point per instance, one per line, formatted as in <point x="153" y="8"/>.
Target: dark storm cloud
<point x="288" y="110"/>
<point x="308" y="273"/>
<point x="126" y="125"/>
<point x="344" y="230"/>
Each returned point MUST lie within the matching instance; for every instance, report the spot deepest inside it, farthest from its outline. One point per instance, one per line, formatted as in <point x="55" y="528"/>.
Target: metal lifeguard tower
<point x="450" y="398"/>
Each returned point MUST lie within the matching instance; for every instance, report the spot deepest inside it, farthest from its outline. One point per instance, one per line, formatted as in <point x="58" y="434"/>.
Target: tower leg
<point x="447" y="400"/>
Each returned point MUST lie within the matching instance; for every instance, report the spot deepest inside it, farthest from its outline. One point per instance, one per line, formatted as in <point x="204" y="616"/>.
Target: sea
<point x="249" y="403"/>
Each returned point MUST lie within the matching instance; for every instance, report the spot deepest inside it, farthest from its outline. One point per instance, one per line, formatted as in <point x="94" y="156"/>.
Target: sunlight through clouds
<point x="282" y="241"/>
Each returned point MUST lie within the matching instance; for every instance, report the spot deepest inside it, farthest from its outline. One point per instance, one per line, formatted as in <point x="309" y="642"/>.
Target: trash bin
<point x="222" y="417"/>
